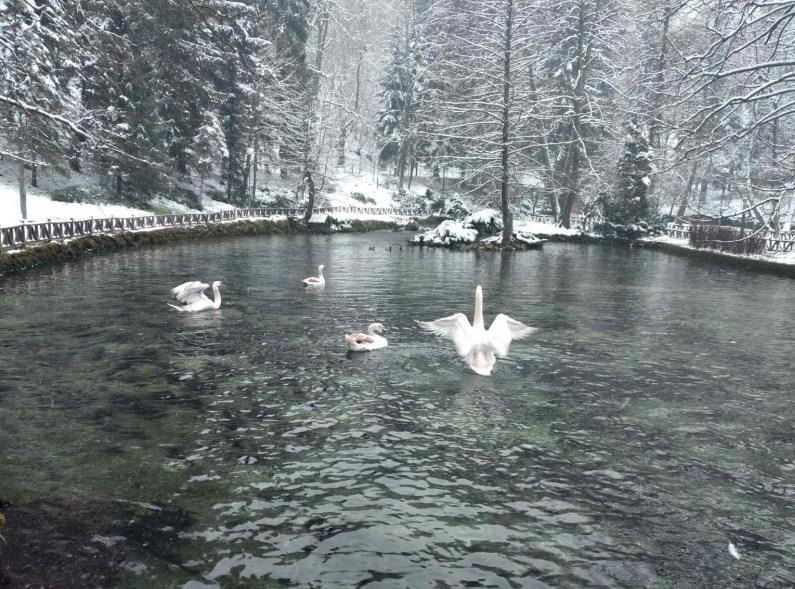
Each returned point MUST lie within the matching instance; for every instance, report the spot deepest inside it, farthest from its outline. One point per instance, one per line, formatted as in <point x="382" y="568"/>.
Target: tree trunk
<point x="688" y="189"/>
<point x="411" y="168"/>
<point x="572" y="181"/>
<point x="400" y="172"/>
<point x="572" y="167"/>
<point x="34" y="176"/>
<point x="659" y="79"/>
<point x="23" y="198"/>
<point x="507" y="221"/>
<point x="310" y="205"/>
<point x="243" y="190"/>
<point x="256" y="165"/>
<point x="341" y="144"/>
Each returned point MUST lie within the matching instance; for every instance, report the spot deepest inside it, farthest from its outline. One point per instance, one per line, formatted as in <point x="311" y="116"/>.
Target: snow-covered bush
<point x="362" y="198"/>
<point x="276" y="198"/>
<point x="630" y="230"/>
<point x="483" y="228"/>
<point x="524" y="237"/>
<point x="336" y="226"/>
<point x="455" y="208"/>
<point x="71" y="194"/>
<point x="486" y="221"/>
<point x="448" y="233"/>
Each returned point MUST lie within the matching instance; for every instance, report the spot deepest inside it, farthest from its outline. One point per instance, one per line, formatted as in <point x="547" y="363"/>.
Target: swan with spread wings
<point x="474" y="343"/>
<point x="191" y="295"/>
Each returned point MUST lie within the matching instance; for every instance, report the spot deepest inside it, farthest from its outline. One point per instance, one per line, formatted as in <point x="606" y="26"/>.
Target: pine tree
<point x="403" y="86"/>
<point x="629" y="201"/>
<point x="38" y="49"/>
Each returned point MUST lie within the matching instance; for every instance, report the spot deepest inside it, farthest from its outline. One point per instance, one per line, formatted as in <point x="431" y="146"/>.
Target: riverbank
<point x="757" y="263"/>
<point x="54" y="252"/>
<point x="58" y="251"/>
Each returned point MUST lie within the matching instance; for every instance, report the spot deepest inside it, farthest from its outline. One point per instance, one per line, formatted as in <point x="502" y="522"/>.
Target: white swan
<point x="191" y="294"/>
<point x="367" y="342"/>
<point x="318" y="280"/>
<point x="472" y="342"/>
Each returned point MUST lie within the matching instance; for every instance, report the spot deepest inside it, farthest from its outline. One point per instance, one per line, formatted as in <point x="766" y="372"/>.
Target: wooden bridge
<point x="31" y="233"/>
<point x="783" y="241"/>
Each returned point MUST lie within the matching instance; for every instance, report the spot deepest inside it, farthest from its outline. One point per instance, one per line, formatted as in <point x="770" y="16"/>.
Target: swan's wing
<point x="456" y="328"/>
<point x="190" y="292"/>
<point x="503" y="330"/>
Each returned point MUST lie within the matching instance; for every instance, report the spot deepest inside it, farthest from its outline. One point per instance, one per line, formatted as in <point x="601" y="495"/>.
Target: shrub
<point x="71" y="194"/>
<point x="725" y="239"/>
<point x="648" y="227"/>
<point x="362" y="198"/>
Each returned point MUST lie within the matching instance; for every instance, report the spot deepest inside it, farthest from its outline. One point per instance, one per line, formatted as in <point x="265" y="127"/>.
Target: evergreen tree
<point x="38" y="49"/>
<point x="402" y="95"/>
<point x="629" y="201"/>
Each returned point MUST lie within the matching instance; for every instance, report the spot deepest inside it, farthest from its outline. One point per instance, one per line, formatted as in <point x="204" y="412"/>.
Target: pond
<point x="645" y="426"/>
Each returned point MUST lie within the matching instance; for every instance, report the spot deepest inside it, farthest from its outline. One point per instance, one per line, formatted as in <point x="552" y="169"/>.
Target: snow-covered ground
<point x="378" y="192"/>
<point x="42" y="208"/>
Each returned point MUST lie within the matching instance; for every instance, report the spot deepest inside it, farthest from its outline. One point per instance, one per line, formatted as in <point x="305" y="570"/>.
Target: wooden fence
<point x="783" y="241"/>
<point x="29" y="233"/>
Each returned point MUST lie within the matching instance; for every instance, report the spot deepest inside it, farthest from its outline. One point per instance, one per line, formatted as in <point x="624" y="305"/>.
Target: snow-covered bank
<point x="56" y="251"/>
<point x="773" y="257"/>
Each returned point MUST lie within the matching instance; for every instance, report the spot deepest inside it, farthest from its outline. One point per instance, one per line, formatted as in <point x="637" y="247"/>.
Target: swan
<point x="318" y="280"/>
<point x="193" y="297"/>
<point x="367" y="342"/>
<point x="472" y="342"/>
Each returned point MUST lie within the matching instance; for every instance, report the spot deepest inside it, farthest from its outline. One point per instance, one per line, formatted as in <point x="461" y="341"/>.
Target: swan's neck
<point x="320" y="272"/>
<point x="477" y="320"/>
<point x="216" y="297"/>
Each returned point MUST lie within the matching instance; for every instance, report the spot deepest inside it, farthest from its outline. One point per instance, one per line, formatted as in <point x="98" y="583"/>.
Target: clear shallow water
<point x="649" y="422"/>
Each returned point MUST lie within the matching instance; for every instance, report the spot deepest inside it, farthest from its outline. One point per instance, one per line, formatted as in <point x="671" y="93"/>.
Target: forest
<point x="621" y="109"/>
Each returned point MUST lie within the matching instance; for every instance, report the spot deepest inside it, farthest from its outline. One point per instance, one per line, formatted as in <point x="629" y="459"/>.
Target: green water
<point x="647" y="424"/>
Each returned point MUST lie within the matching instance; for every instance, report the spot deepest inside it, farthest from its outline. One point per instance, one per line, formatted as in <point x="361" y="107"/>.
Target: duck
<point x="191" y="294"/>
<point x="316" y="281"/>
<point x="367" y="342"/>
<point x="476" y="345"/>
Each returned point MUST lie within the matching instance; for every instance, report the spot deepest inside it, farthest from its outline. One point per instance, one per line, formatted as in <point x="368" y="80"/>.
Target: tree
<point x="629" y="201"/>
<point x="38" y="48"/>
<point x="403" y="87"/>
<point x="481" y="58"/>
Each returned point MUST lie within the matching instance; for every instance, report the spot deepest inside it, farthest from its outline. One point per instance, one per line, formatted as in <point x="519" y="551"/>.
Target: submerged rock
<point x="59" y="543"/>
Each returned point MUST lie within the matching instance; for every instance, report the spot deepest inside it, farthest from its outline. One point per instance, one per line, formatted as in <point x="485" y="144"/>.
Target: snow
<point x="537" y="228"/>
<point x="381" y="188"/>
<point x="173" y="206"/>
<point x="521" y="236"/>
<point x="42" y="208"/>
<point x="486" y="217"/>
<point x="448" y="233"/>
<point x="348" y="183"/>
<point x="465" y="231"/>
